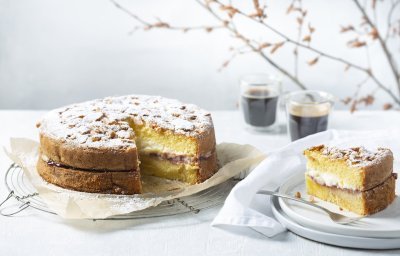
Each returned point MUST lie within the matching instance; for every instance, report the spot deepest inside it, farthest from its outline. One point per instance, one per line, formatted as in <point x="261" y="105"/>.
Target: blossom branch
<point x="230" y="26"/>
<point x="348" y="64"/>
<point x="389" y="19"/>
<point x="384" y="47"/>
<point x="224" y="14"/>
<point x="146" y="25"/>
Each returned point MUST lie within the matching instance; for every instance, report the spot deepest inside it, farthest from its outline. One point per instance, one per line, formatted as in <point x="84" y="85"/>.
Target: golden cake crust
<point x="115" y="182"/>
<point x="207" y="167"/>
<point x="114" y="159"/>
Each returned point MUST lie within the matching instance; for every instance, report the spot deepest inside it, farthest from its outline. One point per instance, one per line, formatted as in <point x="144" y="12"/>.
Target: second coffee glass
<point x="308" y="112"/>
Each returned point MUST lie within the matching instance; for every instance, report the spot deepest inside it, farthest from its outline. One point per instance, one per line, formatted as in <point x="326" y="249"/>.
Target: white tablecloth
<point x="37" y="233"/>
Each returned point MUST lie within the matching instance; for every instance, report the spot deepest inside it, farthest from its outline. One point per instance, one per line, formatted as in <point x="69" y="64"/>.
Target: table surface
<point x="36" y="233"/>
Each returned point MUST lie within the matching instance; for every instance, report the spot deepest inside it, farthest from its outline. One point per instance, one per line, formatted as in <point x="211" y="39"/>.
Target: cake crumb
<point x="297" y="195"/>
<point x="340" y="208"/>
<point x="312" y="199"/>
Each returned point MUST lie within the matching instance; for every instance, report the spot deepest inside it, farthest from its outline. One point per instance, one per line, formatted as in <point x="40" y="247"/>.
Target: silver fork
<point x="335" y="217"/>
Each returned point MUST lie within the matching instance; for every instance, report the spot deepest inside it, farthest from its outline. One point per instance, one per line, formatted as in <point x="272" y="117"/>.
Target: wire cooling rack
<point x="20" y="189"/>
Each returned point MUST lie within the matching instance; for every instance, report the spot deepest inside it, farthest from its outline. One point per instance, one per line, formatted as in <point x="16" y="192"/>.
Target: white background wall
<point x="56" y="52"/>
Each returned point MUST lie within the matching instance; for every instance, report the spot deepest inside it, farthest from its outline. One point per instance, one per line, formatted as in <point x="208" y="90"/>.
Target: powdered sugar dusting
<point x="106" y="122"/>
<point x="182" y="124"/>
<point x="356" y="156"/>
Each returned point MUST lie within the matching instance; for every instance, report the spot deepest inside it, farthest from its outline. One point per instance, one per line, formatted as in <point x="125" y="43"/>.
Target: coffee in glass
<point x="259" y="100"/>
<point x="308" y="113"/>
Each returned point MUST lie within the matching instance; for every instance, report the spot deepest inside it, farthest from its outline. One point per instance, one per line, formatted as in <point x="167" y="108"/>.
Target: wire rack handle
<point x="23" y="206"/>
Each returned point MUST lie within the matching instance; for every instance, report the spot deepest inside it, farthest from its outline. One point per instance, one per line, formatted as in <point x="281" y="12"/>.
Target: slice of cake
<point x="355" y="179"/>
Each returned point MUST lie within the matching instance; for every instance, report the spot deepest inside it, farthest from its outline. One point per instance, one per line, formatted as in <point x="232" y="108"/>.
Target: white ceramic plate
<point x="385" y="224"/>
<point x="330" y="238"/>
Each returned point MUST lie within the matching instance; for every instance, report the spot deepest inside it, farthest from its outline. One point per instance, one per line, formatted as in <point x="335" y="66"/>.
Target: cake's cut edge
<point x="191" y="172"/>
<point x="360" y="202"/>
<point x="161" y="154"/>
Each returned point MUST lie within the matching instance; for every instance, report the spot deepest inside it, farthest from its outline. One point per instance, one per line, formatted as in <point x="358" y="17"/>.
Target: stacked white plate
<point x="379" y="231"/>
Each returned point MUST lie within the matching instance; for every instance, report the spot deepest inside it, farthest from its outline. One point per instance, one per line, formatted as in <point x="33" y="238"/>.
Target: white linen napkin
<point x="241" y="210"/>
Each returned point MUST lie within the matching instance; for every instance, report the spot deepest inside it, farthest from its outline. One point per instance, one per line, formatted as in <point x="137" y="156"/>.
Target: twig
<point x="294" y="79"/>
<point x="132" y="15"/>
<point x="297" y="53"/>
<point x="236" y="52"/>
<point x="384" y="47"/>
<point x="389" y="19"/>
<point x="355" y="101"/>
<point x="161" y="24"/>
<point x="254" y="48"/>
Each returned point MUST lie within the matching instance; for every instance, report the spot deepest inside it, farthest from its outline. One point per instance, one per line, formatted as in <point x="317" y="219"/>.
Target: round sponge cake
<point x="81" y="145"/>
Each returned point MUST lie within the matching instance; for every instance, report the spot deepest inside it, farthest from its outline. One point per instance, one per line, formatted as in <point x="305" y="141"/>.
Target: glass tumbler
<point x="259" y="96"/>
<point x="308" y="112"/>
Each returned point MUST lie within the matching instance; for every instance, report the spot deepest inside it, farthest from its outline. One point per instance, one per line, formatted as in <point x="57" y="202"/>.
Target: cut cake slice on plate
<point x="355" y="179"/>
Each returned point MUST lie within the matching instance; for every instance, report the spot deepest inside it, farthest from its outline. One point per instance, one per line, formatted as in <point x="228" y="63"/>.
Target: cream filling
<point x="173" y="157"/>
<point x="45" y="158"/>
<point x="329" y="180"/>
<point x="149" y="147"/>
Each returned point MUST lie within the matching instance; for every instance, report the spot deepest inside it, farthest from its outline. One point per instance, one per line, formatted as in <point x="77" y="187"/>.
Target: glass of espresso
<point x="259" y="95"/>
<point x="307" y="112"/>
